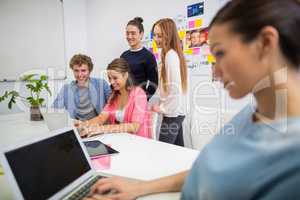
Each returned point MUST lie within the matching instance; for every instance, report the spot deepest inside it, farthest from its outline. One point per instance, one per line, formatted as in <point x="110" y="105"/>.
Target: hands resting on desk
<point x="86" y="129"/>
<point x="116" y="188"/>
<point x="95" y="127"/>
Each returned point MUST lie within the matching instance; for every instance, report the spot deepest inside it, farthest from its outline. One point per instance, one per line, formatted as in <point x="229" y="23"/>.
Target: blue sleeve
<point x="107" y="90"/>
<point x="59" y="102"/>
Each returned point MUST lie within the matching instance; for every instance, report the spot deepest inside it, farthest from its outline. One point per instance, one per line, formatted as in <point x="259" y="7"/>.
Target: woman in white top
<point x="172" y="82"/>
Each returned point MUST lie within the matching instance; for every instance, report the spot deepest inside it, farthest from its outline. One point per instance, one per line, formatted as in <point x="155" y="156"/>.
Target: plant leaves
<point x="47" y="88"/>
<point x="41" y="100"/>
<point x="13" y="94"/>
<point x="27" y="77"/>
<point x="43" y="77"/>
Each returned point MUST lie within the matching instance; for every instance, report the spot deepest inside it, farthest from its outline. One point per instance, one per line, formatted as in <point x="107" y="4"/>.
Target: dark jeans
<point x="171" y="130"/>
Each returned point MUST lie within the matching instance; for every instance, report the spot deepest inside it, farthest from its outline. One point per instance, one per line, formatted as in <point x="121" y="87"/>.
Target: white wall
<point x="107" y="19"/>
<point x="75" y="42"/>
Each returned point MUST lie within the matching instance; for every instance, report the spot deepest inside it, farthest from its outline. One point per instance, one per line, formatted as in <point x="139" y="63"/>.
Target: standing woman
<point x="173" y="82"/>
<point x="142" y="63"/>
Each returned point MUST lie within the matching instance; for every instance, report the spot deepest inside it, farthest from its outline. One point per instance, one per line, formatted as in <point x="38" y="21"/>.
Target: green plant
<point x="34" y="85"/>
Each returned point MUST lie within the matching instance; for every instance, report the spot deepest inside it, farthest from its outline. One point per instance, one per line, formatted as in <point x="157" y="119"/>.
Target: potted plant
<point x="35" y="84"/>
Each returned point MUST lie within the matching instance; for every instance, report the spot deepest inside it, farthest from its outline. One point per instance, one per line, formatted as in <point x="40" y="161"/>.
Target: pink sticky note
<point x="207" y="50"/>
<point x="191" y="24"/>
<point x="156" y="56"/>
<point x="196" y="51"/>
<point x="101" y="163"/>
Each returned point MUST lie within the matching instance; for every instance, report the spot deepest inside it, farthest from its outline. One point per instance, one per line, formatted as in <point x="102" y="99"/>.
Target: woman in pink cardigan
<point x="126" y="110"/>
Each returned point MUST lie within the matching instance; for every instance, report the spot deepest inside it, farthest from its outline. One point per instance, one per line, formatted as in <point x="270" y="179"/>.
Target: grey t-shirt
<point x="85" y="109"/>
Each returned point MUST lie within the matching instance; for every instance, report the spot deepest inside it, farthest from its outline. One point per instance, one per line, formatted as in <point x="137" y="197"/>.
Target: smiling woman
<point x="126" y="110"/>
<point x="142" y="63"/>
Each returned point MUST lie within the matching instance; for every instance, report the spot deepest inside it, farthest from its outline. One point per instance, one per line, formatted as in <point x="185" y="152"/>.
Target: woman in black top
<point x="142" y="62"/>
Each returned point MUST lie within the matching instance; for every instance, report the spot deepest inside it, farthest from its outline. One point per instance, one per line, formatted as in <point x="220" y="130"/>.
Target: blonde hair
<point x="171" y="40"/>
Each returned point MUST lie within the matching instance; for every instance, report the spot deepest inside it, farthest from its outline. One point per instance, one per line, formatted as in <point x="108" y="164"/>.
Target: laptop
<point x="57" y="120"/>
<point x="56" y="166"/>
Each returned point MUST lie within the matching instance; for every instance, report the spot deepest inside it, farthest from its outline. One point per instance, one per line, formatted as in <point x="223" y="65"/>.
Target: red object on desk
<point x="102" y="162"/>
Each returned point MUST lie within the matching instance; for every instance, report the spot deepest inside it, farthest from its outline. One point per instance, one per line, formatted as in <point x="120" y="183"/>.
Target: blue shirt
<point x="248" y="160"/>
<point x="69" y="97"/>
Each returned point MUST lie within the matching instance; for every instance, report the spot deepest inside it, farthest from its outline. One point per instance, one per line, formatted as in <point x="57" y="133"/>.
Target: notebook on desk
<point x="53" y="167"/>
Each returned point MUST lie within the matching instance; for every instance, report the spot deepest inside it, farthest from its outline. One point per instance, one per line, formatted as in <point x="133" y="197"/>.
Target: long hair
<point x="120" y="65"/>
<point x="170" y="40"/>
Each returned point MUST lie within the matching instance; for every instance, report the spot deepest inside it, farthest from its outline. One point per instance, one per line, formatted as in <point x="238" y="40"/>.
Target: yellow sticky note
<point x="154" y="46"/>
<point x="1" y="170"/>
<point x="189" y="51"/>
<point x="181" y="34"/>
<point x="211" y="58"/>
<point x="198" y="23"/>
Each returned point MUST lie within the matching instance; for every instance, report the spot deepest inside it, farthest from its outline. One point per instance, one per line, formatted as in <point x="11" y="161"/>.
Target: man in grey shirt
<point x="85" y="97"/>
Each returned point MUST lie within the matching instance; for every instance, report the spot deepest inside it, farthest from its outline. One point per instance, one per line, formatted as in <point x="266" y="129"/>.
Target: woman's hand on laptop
<point x="90" y="130"/>
<point x="116" y="188"/>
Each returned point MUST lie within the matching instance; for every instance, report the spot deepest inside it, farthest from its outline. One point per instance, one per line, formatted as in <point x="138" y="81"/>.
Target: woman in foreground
<point x="256" y="52"/>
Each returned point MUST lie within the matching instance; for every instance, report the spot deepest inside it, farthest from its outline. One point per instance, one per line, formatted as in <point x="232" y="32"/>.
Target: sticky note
<point x="156" y="55"/>
<point x="207" y="50"/>
<point x="192" y="24"/>
<point x="154" y="46"/>
<point x="211" y="58"/>
<point x="151" y="35"/>
<point x="196" y="51"/>
<point x="101" y="163"/>
<point x="189" y="51"/>
<point x="181" y="34"/>
<point x="198" y="23"/>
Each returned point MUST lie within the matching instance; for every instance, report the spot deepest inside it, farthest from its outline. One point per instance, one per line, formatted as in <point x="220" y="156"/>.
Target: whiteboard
<point x="31" y="38"/>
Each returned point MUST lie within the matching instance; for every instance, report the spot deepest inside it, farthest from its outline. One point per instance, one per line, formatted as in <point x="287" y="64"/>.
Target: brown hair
<point x="171" y="41"/>
<point x="80" y="59"/>
<point x="249" y="17"/>
<point x="137" y="22"/>
<point x="120" y="65"/>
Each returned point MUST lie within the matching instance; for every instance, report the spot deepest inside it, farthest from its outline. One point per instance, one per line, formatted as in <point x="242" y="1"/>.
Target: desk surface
<point x="139" y="157"/>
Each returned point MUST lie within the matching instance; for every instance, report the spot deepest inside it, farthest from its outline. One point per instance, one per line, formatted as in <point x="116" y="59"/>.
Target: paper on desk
<point x="101" y="163"/>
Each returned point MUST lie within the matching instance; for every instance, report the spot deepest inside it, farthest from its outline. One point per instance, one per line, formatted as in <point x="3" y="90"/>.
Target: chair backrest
<point x="155" y="124"/>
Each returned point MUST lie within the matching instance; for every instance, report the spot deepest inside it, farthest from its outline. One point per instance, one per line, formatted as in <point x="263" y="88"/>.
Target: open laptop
<point x="55" y="166"/>
<point x="57" y="120"/>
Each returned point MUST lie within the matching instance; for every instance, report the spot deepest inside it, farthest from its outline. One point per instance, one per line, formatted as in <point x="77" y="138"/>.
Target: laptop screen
<point x="43" y="168"/>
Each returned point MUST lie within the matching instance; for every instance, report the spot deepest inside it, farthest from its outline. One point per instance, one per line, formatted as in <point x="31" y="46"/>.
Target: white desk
<point x="139" y="157"/>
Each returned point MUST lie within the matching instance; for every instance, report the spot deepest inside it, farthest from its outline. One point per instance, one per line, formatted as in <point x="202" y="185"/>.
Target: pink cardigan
<point x="136" y="110"/>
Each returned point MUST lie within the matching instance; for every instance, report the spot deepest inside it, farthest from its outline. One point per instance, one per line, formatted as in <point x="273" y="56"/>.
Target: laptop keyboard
<point x="84" y="190"/>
